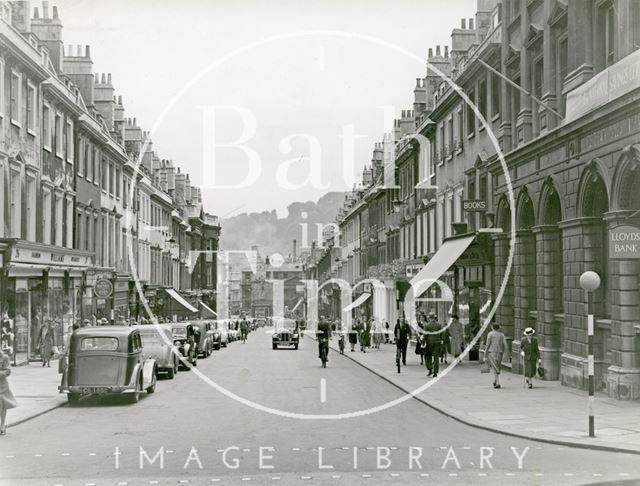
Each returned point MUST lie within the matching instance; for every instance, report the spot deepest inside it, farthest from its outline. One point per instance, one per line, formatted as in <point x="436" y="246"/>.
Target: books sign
<point x="474" y="205"/>
<point x="624" y="242"/>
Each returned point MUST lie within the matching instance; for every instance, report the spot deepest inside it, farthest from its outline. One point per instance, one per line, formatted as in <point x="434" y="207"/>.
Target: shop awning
<point x="208" y="309"/>
<point x="357" y="302"/>
<point x="446" y="256"/>
<point x="181" y="300"/>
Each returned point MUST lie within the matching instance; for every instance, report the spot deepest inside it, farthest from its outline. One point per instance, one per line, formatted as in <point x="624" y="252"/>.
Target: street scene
<point x="331" y="244"/>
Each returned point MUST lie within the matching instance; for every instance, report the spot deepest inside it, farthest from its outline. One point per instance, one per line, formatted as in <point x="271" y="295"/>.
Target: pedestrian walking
<point x="7" y="400"/>
<point x="456" y="334"/>
<point x="365" y="336"/>
<point x="433" y="341"/>
<point x="495" y="347"/>
<point x="386" y="332"/>
<point x="402" y="334"/>
<point x="46" y="342"/>
<point x="353" y="336"/>
<point x="445" y="345"/>
<point x="531" y="354"/>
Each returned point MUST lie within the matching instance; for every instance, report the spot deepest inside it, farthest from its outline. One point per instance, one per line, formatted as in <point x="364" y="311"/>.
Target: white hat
<point x="529" y="331"/>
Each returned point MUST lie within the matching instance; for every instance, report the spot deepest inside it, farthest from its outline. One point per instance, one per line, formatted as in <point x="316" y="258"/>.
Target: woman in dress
<point x="46" y="343"/>
<point x="457" y="336"/>
<point x="531" y="353"/>
<point x="353" y="336"/>
<point x="7" y="400"/>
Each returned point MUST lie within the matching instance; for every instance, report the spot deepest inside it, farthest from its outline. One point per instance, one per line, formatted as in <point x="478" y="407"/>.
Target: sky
<point x="263" y="103"/>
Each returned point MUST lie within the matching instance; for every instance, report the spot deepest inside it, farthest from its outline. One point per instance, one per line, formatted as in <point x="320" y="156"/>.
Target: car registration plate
<point x="95" y="389"/>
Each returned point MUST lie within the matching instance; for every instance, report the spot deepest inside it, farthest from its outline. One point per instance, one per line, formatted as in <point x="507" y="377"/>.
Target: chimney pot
<point x="119" y="100"/>
<point x="103" y="79"/>
<point x="45" y="9"/>
<point x="134" y="122"/>
<point x="471" y="24"/>
<point x="87" y="51"/>
<point x="437" y="51"/>
<point x="430" y="52"/>
<point x="36" y="14"/>
<point x="446" y="51"/>
<point x="55" y="12"/>
<point x="109" y="78"/>
<point x="97" y="78"/>
<point x="463" y="24"/>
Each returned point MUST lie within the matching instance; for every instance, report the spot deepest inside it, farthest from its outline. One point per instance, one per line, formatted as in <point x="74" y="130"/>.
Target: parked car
<point x="157" y="344"/>
<point x="184" y="338"/>
<point x="223" y="332"/>
<point x="260" y="322"/>
<point x="205" y="344"/>
<point x="107" y="360"/>
<point x="285" y="333"/>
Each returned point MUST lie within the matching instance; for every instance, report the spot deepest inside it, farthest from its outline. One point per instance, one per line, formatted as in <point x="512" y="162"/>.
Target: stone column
<point x="580" y="27"/>
<point x="582" y="250"/>
<point x="524" y="289"/>
<point x="504" y="313"/>
<point x="623" y="375"/>
<point x="549" y="296"/>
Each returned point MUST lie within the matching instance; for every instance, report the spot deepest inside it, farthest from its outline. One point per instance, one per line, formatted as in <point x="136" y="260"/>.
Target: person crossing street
<point x="402" y="334"/>
<point x="433" y="342"/>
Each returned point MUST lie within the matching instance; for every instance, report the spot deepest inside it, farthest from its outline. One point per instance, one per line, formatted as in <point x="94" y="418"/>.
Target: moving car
<point x="285" y="333"/>
<point x="184" y="338"/>
<point x="223" y="332"/>
<point x="205" y="344"/>
<point x="156" y="344"/>
<point x="107" y="360"/>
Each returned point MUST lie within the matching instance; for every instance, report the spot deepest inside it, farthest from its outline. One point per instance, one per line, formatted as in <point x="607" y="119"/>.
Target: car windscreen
<point x="99" y="344"/>
<point x="179" y="332"/>
<point x="286" y="325"/>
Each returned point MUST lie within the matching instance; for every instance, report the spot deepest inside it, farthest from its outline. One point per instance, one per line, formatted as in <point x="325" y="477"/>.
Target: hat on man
<point x="529" y="331"/>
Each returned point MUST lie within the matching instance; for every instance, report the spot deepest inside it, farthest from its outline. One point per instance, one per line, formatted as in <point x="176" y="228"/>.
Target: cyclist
<point x="402" y="334"/>
<point x="244" y="329"/>
<point x="324" y="335"/>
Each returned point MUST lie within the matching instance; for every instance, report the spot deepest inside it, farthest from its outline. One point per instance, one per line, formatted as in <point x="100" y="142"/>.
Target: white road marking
<point x="275" y="478"/>
<point x="246" y="479"/>
<point x="539" y="474"/>
<point x="305" y="477"/>
<point x="482" y="474"/>
<point x="424" y="475"/>
<point x="215" y="480"/>
<point x="246" y="450"/>
<point x="568" y="474"/>
<point x="366" y="475"/>
<point x="323" y="390"/>
<point x="295" y="449"/>
<point x="624" y="474"/>
<point x="393" y="448"/>
<point x="90" y="484"/>
<point x="92" y="453"/>
<point x="510" y="474"/>
<point x="184" y="481"/>
<point x="598" y="475"/>
<point x="153" y="482"/>
<point x="10" y="457"/>
<point x="395" y="475"/>
<point x="65" y="454"/>
<point x="466" y="448"/>
<point x="123" y="483"/>
<point x="453" y="475"/>
<point x="38" y="455"/>
<point x="336" y="476"/>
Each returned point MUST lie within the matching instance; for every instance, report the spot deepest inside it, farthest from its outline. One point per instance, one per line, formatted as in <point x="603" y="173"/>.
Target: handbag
<point x="485" y="367"/>
<point x="541" y="372"/>
<point x="418" y="347"/>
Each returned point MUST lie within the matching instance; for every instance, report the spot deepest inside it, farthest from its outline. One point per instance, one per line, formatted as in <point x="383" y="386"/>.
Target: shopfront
<point x="41" y="287"/>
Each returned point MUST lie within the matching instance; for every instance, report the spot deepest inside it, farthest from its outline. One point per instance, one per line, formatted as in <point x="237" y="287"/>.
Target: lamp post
<point x="590" y="281"/>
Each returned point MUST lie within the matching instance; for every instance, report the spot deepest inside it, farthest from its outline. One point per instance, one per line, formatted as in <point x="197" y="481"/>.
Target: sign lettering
<point x="474" y="205"/>
<point x="624" y="242"/>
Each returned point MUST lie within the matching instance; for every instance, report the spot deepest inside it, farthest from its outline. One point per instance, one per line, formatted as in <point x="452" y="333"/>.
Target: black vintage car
<point x="285" y="333"/>
<point x="184" y="338"/>
<point x="107" y="360"/>
<point x="205" y="343"/>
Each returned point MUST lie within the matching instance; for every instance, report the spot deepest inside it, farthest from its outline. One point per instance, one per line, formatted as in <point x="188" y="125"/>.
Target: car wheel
<point x="275" y="346"/>
<point x="171" y="372"/>
<point x="295" y="346"/>
<point x="135" y="396"/>
<point x="194" y="363"/>
<point x="224" y="345"/>
<point x="152" y="388"/>
<point x="73" y="398"/>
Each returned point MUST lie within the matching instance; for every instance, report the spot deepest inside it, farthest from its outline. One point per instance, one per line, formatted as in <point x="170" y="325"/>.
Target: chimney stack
<point x="446" y="51"/>
<point x="430" y="52"/>
<point x="471" y="24"/>
<point x="55" y="12"/>
<point x="45" y="10"/>
<point x="463" y="24"/>
<point x="36" y="14"/>
<point x="295" y="250"/>
<point x="437" y="51"/>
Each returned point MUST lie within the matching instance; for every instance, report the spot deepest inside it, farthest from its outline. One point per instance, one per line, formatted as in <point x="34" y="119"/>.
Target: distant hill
<point x="273" y="234"/>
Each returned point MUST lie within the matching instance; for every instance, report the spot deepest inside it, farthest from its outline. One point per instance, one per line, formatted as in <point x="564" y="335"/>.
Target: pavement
<point x="277" y="417"/>
<point x="548" y="412"/>
<point x="36" y="390"/>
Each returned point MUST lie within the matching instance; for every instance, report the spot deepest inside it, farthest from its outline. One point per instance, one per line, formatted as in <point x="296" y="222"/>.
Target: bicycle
<point x="323" y="352"/>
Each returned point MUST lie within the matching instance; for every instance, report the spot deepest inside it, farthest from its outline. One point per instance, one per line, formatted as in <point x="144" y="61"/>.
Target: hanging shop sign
<point x="103" y="288"/>
<point x="474" y="205"/>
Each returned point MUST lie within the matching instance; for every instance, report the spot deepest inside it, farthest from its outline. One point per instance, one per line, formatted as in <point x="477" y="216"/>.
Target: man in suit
<point x="494" y="350"/>
<point x="433" y="341"/>
<point x="402" y="333"/>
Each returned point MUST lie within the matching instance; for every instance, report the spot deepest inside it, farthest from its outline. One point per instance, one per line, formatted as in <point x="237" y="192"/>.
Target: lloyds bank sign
<point x="624" y="242"/>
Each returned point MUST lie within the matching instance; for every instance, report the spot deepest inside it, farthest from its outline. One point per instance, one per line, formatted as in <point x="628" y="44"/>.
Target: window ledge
<point x="495" y="117"/>
<point x="16" y="123"/>
<point x="471" y="135"/>
<point x="31" y="132"/>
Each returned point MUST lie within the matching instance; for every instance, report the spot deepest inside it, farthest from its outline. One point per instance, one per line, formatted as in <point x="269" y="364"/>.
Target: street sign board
<point x="624" y="242"/>
<point x="103" y="288"/>
<point x="474" y="205"/>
